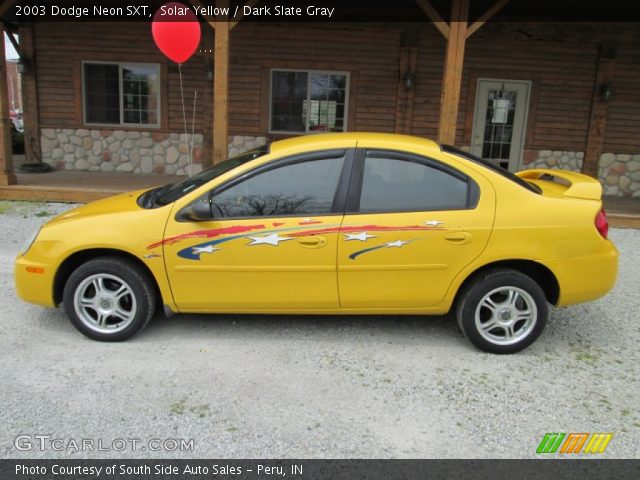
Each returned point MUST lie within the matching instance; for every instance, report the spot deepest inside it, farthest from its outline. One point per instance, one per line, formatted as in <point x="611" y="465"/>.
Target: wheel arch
<point x="538" y="272"/>
<point x="76" y="259"/>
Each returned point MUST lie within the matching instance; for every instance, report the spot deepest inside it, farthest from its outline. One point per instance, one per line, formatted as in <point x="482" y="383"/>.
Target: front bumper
<point x="34" y="277"/>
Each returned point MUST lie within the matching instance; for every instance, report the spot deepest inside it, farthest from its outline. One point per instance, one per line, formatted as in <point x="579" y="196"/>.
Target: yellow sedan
<point x="355" y="223"/>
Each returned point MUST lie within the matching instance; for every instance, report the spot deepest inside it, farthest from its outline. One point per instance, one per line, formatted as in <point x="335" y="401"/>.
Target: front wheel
<point x="109" y="299"/>
<point x="502" y="311"/>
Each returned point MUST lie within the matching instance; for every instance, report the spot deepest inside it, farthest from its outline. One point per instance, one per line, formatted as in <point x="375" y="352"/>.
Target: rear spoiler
<point x="579" y="185"/>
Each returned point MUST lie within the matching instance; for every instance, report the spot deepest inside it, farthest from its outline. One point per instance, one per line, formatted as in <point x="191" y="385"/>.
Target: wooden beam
<point x="221" y="87"/>
<point x="32" y="150"/>
<point x="599" y="110"/>
<point x="435" y="17"/>
<point x="4" y="8"/>
<point x="7" y="175"/>
<point x="250" y="3"/>
<point x="452" y="76"/>
<point x="12" y="39"/>
<point x="405" y="97"/>
<point x="207" y="101"/>
<point x="484" y="18"/>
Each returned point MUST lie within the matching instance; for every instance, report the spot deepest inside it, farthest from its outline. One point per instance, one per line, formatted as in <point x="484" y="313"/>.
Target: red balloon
<point x="176" y="31"/>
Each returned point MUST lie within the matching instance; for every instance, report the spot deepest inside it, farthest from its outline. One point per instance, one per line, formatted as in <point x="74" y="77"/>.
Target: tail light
<point x="601" y="223"/>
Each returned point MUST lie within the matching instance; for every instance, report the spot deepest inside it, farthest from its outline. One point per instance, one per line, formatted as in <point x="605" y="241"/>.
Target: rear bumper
<point x="585" y="278"/>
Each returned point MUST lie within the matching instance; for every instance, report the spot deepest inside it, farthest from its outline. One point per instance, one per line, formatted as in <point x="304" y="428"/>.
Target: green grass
<point x="5" y="207"/>
<point x="180" y="408"/>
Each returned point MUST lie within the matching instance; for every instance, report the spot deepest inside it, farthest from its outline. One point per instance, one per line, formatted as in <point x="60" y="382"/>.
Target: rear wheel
<point x="502" y="311"/>
<point x="109" y="299"/>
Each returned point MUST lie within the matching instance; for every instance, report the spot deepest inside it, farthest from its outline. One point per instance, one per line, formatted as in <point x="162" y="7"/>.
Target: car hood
<point x="122" y="203"/>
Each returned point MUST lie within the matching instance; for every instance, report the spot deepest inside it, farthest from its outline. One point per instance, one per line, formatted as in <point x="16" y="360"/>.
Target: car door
<point x="414" y="223"/>
<point x="272" y="244"/>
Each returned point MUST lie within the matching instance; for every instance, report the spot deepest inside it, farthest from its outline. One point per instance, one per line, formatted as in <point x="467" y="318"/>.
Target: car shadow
<point x="391" y="328"/>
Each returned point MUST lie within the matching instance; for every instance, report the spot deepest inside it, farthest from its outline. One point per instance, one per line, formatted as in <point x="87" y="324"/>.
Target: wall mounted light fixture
<point x="23" y="66"/>
<point x="606" y="91"/>
<point x="409" y="80"/>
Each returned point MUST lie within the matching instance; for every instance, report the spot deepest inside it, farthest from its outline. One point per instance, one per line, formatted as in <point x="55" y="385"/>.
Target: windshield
<point x="491" y="166"/>
<point x="171" y="193"/>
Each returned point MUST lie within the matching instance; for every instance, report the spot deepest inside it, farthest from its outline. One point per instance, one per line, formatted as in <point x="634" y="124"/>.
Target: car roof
<point x="321" y="141"/>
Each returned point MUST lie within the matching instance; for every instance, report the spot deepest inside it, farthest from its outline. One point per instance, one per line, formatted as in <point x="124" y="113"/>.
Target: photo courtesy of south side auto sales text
<point x="96" y="11"/>
<point x="167" y="469"/>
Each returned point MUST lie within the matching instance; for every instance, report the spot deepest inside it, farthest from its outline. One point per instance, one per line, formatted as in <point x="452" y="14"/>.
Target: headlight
<point x="27" y="244"/>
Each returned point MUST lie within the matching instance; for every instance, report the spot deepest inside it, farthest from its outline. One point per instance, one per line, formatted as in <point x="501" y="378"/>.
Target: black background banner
<point x="343" y="10"/>
<point x="583" y="469"/>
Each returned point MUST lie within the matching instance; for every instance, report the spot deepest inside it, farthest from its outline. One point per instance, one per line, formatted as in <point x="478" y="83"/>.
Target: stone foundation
<point x="618" y="173"/>
<point x="130" y="151"/>
<point x="239" y="144"/>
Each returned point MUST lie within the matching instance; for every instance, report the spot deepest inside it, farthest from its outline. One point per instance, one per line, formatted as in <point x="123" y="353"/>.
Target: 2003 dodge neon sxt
<point x="339" y="223"/>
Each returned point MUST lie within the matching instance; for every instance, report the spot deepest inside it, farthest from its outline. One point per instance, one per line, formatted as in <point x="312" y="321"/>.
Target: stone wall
<point x="239" y="144"/>
<point x="618" y="173"/>
<point x="167" y="153"/>
<point x="130" y="151"/>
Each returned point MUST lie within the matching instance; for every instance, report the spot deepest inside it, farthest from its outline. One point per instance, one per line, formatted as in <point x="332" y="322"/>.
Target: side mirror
<point x="198" y="211"/>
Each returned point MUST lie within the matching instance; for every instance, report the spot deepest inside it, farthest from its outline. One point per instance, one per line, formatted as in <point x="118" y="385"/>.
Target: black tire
<point x="505" y="316"/>
<point x="140" y="298"/>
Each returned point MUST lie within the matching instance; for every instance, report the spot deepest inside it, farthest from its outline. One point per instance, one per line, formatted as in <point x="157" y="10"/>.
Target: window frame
<point x="354" y="194"/>
<point x="122" y="65"/>
<point x="340" y="195"/>
<point x="309" y="72"/>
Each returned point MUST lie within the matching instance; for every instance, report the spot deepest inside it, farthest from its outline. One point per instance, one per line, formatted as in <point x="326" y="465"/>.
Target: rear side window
<point x="396" y="184"/>
<point x="491" y="166"/>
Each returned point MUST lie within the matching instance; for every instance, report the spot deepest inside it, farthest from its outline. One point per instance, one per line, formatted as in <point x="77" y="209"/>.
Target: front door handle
<point x="459" y="238"/>
<point x="312" y="241"/>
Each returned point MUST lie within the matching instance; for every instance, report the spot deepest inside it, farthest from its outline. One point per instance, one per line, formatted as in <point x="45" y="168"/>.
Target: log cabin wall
<point x="68" y="143"/>
<point x="560" y="61"/>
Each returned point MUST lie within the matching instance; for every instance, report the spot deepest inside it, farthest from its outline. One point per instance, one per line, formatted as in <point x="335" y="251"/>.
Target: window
<point x="394" y="184"/>
<point x="308" y="101"/>
<point x="304" y="188"/>
<point x="493" y="167"/>
<point x="121" y="94"/>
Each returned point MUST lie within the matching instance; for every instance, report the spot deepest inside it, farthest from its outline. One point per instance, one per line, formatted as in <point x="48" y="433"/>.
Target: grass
<point x="34" y="208"/>
<point x="180" y="408"/>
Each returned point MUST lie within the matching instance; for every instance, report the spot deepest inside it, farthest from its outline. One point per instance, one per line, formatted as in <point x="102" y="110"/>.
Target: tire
<point x="109" y="299"/>
<point x="491" y="311"/>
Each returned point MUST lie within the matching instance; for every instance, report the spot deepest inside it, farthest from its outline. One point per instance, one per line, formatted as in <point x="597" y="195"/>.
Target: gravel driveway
<point x="329" y="387"/>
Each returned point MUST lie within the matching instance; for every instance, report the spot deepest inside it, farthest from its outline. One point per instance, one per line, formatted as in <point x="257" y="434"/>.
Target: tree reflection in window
<point x="303" y="189"/>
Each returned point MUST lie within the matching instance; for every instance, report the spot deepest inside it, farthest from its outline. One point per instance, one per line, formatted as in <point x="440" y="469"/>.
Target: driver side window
<point x="299" y="189"/>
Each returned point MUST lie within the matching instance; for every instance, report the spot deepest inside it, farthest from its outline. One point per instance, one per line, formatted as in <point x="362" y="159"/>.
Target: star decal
<point x="207" y="249"/>
<point x="273" y="239"/>
<point x="433" y="223"/>
<point x="397" y="243"/>
<point x="362" y="236"/>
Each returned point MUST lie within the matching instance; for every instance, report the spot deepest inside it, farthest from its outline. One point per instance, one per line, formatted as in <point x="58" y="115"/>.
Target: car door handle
<point x="459" y="238"/>
<point x="312" y="241"/>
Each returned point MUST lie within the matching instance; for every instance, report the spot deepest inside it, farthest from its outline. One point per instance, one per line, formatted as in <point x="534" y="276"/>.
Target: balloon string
<point x="184" y="116"/>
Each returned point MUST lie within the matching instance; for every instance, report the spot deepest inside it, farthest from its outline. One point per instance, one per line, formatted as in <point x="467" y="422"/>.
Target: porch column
<point x="31" y="114"/>
<point x="7" y="176"/>
<point x="456" y="34"/>
<point x="599" y="110"/>
<point x="221" y="86"/>
<point x="452" y="76"/>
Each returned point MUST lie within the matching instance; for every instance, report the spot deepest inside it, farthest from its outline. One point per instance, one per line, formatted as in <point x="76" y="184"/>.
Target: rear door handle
<point x="459" y="238"/>
<point x="312" y="241"/>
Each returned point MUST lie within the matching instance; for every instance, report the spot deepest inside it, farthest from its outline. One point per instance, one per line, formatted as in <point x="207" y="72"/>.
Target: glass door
<point x="500" y="121"/>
